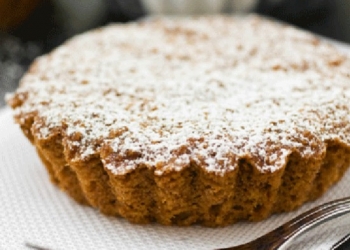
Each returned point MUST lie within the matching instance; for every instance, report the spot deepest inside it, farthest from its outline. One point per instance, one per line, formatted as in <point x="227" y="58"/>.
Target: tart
<point x="198" y="120"/>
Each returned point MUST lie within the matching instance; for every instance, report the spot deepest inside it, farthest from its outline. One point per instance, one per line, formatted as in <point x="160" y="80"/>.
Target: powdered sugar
<point x="207" y="90"/>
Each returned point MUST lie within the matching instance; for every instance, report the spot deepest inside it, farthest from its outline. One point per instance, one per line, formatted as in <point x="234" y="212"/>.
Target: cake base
<point x="193" y="195"/>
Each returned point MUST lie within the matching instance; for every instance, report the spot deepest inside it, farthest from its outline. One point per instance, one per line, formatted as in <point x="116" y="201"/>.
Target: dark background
<point x="51" y="24"/>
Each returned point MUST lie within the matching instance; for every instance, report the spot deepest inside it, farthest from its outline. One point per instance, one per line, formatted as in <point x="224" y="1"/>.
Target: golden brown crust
<point x="194" y="195"/>
<point x="51" y="153"/>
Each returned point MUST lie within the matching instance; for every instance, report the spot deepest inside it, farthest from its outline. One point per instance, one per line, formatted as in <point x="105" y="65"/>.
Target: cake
<point x="193" y="120"/>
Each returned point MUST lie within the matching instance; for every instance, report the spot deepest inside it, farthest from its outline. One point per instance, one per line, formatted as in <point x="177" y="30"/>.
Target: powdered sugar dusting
<point x="208" y="90"/>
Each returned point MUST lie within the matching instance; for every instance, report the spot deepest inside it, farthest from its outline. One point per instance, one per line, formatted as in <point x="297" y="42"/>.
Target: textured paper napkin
<point x="33" y="211"/>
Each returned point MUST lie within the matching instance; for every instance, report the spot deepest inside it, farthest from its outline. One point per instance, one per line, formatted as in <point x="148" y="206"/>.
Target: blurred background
<point x="29" y="28"/>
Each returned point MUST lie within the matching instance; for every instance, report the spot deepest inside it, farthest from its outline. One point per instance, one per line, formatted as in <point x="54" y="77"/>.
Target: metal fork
<point x="279" y="236"/>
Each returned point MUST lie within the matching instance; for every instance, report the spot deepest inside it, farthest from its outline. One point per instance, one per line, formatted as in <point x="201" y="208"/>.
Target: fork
<point x="311" y="218"/>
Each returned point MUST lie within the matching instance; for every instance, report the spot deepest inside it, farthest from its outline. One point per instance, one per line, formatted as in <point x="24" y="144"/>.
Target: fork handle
<point x="279" y="236"/>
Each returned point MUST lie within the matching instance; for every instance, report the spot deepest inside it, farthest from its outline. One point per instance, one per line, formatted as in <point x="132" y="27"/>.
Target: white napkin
<point x="34" y="212"/>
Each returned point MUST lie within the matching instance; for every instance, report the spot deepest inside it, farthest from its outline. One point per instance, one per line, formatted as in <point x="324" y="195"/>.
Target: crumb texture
<point x="190" y="120"/>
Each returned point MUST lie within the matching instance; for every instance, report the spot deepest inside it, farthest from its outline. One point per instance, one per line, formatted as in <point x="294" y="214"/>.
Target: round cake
<point x="205" y="120"/>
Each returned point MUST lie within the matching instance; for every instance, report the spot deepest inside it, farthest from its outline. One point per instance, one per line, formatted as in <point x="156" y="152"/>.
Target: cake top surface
<point x="210" y="90"/>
